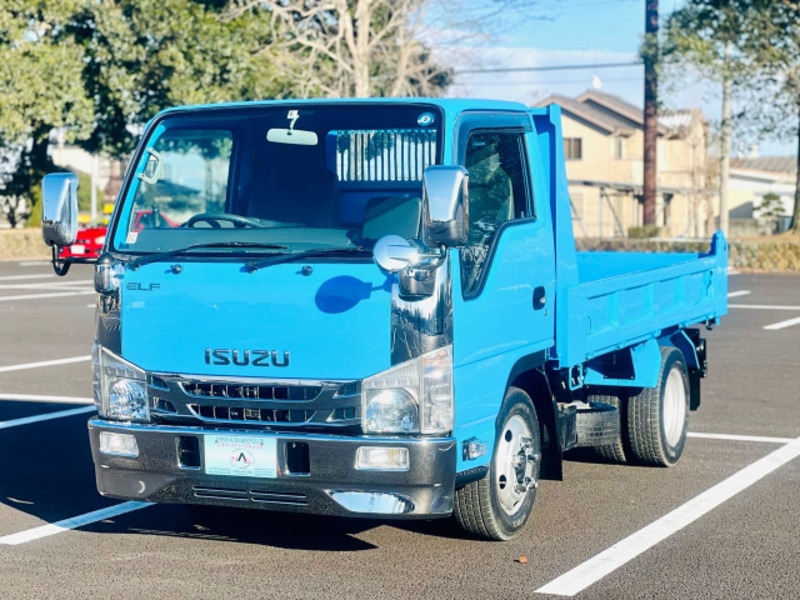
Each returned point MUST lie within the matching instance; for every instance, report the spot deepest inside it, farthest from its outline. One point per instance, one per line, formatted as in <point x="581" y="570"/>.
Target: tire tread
<point x="644" y="420"/>
<point x="615" y="452"/>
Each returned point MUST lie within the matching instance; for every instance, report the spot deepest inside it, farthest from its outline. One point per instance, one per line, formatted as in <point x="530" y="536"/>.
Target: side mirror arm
<point x="61" y="265"/>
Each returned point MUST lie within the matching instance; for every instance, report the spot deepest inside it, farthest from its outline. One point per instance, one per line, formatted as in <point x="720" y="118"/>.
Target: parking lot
<point x="722" y="524"/>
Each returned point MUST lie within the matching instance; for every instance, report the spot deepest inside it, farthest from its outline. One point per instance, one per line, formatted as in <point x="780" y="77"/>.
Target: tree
<point x="777" y="46"/>
<point x="771" y="209"/>
<point x="97" y="70"/>
<point x="716" y="37"/>
<point x="147" y="55"/>
<point x="40" y="90"/>
<point x="354" y="48"/>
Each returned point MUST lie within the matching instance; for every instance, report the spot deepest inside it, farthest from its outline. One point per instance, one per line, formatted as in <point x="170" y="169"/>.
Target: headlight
<point x="391" y="410"/>
<point x="412" y="397"/>
<point x="120" y="388"/>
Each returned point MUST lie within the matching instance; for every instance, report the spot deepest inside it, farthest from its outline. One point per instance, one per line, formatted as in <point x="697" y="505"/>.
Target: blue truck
<point x="375" y="308"/>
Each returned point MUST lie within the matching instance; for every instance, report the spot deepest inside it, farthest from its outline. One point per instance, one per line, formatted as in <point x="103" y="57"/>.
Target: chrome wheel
<point x="674" y="407"/>
<point x="515" y="465"/>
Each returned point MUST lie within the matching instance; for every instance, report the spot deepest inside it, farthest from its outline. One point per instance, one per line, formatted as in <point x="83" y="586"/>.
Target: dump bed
<point x="625" y="298"/>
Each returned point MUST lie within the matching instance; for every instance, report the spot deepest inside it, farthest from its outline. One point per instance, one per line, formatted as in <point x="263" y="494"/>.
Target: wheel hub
<point x="516" y="462"/>
<point x="674" y="407"/>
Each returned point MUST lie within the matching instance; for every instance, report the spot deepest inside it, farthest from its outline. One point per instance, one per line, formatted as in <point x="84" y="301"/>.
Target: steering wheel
<point x="214" y="219"/>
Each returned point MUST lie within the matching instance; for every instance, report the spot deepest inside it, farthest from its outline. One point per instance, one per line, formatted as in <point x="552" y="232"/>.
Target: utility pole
<point x="95" y="175"/>
<point x="724" y="141"/>
<point x="650" y="109"/>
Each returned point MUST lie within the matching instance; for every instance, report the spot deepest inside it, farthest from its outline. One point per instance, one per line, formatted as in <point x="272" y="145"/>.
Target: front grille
<point x="257" y="403"/>
<point x="247" y="413"/>
<point x="258" y="496"/>
<point x="252" y="392"/>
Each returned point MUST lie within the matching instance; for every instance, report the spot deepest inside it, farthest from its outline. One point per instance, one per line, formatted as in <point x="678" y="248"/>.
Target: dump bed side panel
<point x="616" y="312"/>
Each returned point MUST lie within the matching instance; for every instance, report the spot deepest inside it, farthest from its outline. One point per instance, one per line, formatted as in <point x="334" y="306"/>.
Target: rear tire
<point x="658" y="417"/>
<point x="499" y="505"/>
<point x="615" y="452"/>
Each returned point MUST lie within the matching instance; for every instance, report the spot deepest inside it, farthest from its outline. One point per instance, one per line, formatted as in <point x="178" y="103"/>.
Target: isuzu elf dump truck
<point x="374" y="308"/>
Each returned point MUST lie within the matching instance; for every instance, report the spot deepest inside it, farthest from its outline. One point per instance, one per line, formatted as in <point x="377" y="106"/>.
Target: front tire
<point x="658" y="418"/>
<point x="499" y="505"/>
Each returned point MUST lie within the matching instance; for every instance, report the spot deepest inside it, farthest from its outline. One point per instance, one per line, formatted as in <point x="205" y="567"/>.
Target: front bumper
<point x="331" y="485"/>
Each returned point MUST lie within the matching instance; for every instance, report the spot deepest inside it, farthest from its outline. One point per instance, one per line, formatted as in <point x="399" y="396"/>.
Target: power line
<point x="551" y="68"/>
<point x="559" y="81"/>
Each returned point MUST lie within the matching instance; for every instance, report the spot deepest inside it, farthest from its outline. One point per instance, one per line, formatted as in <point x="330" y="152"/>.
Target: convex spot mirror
<point x="60" y="209"/>
<point x="445" y="202"/>
<point x="393" y="253"/>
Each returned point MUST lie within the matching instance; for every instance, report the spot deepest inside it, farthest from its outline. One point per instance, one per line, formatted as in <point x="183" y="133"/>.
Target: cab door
<point x="504" y="278"/>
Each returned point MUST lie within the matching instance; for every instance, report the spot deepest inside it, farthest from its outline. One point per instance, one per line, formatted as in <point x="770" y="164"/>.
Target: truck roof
<point x="451" y="106"/>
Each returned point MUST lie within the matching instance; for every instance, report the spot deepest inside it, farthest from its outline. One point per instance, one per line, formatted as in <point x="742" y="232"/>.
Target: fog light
<point x="118" y="444"/>
<point x="382" y="458"/>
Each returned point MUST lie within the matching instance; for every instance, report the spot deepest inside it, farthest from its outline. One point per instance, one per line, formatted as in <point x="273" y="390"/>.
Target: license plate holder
<point x="240" y="455"/>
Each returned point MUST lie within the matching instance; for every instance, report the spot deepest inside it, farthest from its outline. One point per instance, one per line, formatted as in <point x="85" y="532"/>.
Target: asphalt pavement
<point x="722" y="524"/>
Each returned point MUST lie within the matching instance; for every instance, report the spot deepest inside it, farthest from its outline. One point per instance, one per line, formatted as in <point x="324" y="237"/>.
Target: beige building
<point x="603" y="146"/>
<point x="751" y="179"/>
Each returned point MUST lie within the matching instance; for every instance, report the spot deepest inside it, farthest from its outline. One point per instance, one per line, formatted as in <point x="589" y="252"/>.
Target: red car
<point x="89" y="243"/>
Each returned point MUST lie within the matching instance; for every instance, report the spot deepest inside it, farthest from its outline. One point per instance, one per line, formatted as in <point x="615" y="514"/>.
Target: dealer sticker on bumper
<point x="241" y="455"/>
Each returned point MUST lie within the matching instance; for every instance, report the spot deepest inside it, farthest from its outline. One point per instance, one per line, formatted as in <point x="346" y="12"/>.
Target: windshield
<point x="304" y="177"/>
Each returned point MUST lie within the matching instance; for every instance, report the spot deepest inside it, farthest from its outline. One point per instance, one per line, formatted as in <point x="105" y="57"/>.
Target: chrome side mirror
<point x="60" y="210"/>
<point x="444" y="204"/>
<point x="393" y="253"/>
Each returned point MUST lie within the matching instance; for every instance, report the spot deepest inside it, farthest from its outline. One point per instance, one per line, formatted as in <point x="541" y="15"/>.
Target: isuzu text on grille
<point x="242" y="358"/>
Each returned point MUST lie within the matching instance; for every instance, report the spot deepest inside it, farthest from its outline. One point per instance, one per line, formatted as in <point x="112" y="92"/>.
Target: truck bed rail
<point x="597" y="317"/>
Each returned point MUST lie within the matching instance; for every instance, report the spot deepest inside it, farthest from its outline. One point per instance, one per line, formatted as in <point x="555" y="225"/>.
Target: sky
<point x="572" y="32"/>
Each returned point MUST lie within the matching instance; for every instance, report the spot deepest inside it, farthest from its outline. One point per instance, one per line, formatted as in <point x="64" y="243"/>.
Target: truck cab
<point x="373" y="308"/>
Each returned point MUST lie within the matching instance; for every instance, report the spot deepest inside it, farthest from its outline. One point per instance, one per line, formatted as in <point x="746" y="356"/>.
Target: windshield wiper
<point x="254" y="265"/>
<point x="151" y="258"/>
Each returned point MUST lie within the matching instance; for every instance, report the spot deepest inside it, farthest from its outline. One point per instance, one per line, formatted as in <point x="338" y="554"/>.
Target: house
<point x="603" y="147"/>
<point x="752" y="178"/>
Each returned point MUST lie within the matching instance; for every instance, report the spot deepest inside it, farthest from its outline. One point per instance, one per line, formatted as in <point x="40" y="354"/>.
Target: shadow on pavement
<point x="46" y="469"/>
<point x="246" y="526"/>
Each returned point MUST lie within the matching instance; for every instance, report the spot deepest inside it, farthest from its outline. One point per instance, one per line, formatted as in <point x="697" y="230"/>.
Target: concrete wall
<point x="22" y="244"/>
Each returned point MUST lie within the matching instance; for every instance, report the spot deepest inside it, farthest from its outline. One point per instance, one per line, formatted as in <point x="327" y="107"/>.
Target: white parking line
<point x="764" y="306"/>
<point x="783" y="324"/>
<point x="72" y="523"/>
<point x="45" y="285"/>
<point x="45" y="363"/>
<point x="16" y="277"/>
<point x="35" y="263"/>
<point x="53" y="399"/>
<point x="46" y="417"/>
<point x="740" y="438"/>
<point x="594" y="569"/>
<point x="35" y="296"/>
<point x="739" y="294"/>
<point x="56" y="286"/>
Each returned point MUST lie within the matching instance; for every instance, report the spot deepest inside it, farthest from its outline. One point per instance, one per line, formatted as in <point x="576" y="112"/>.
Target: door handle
<point x="539" y="299"/>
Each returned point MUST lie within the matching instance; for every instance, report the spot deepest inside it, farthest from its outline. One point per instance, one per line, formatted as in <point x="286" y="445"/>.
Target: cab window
<point x="497" y="194"/>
